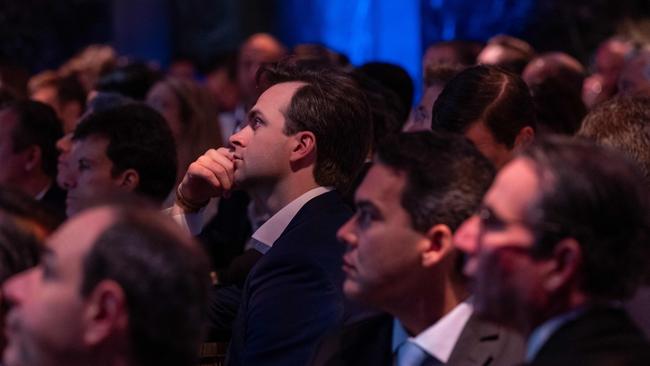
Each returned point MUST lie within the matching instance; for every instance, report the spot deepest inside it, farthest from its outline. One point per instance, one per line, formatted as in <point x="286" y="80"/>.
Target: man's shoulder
<point x="600" y="336"/>
<point x="482" y="342"/>
<point x="364" y="341"/>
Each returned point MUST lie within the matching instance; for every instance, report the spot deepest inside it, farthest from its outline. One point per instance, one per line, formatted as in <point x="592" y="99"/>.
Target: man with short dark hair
<point x="116" y="286"/>
<point x="28" y="134"/>
<point x="491" y="107"/>
<point x="560" y="239"/>
<point x="127" y="148"/>
<point x="306" y="140"/>
<point x="401" y="260"/>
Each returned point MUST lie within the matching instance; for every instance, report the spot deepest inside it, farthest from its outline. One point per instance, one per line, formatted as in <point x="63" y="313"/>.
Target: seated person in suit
<point x="306" y="140"/>
<point x="401" y="260"/>
<point x="28" y="134"/>
<point x="116" y="286"/>
<point x="128" y="148"/>
<point x="560" y="239"/>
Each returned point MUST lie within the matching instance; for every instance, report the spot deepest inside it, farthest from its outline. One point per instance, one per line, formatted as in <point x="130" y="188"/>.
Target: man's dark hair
<point x="624" y="124"/>
<point x="395" y="78"/>
<point x="496" y="97"/>
<point x="36" y="124"/>
<point x="385" y="105"/>
<point x="594" y="195"/>
<point x="140" y="139"/>
<point x="333" y="107"/>
<point x="446" y="176"/>
<point x="164" y="276"/>
<point x="132" y="79"/>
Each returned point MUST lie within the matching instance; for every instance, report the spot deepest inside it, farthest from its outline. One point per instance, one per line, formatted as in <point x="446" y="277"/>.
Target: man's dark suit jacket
<point x="293" y="294"/>
<point x="601" y="336"/>
<point x="369" y="342"/>
<point x="54" y="201"/>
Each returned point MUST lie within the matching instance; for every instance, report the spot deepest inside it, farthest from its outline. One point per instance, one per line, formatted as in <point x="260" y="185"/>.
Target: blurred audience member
<point x="29" y="214"/>
<point x="491" y="107"/>
<point x="20" y="250"/>
<point x="555" y="81"/>
<point x="116" y="286"/>
<point x="395" y="78"/>
<point x="635" y="75"/>
<point x="182" y="68"/>
<point x="556" y="66"/>
<point x="99" y="102"/>
<point x="385" y="106"/>
<point x="435" y="79"/>
<point x="608" y="63"/>
<point x="318" y="52"/>
<point x="221" y="82"/>
<point x="456" y="52"/>
<point x="624" y="124"/>
<point x="90" y="64"/>
<point x="510" y="53"/>
<point x="132" y="79"/>
<point x="128" y="148"/>
<point x="64" y="94"/>
<point x="191" y="116"/>
<point x="561" y="238"/>
<point x="401" y="260"/>
<point x="258" y="49"/>
<point x="28" y="134"/>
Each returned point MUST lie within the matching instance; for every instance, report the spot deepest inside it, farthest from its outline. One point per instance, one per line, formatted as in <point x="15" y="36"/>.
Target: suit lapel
<point x="477" y="344"/>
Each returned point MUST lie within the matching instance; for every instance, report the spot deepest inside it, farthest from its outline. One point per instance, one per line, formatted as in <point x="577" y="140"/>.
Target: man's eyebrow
<point x="255" y="113"/>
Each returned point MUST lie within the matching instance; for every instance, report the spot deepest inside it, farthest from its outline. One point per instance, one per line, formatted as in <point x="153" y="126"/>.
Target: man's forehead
<point x="278" y="95"/>
<point x="515" y="187"/>
<point x="92" y="142"/>
<point x="78" y="233"/>
<point x="381" y="184"/>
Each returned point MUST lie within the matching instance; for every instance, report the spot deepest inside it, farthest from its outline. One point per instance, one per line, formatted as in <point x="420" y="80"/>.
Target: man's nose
<point x="15" y="288"/>
<point x="238" y="139"/>
<point x="346" y="234"/>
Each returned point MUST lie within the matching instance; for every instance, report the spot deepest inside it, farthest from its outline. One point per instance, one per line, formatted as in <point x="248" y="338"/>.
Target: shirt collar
<point x="271" y="230"/>
<point x="39" y="196"/>
<point x="440" y="338"/>
<point x="542" y="333"/>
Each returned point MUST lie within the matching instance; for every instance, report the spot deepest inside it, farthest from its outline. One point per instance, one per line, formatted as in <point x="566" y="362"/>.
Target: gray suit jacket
<point x="368" y="342"/>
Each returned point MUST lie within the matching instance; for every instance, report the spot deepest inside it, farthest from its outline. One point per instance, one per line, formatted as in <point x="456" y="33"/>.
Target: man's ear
<point x="129" y="179"/>
<point x="524" y="138"/>
<point x="564" y="265"/>
<point x="439" y="244"/>
<point x="105" y="313"/>
<point x="304" y="143"/>
<point x="33" y="158"/>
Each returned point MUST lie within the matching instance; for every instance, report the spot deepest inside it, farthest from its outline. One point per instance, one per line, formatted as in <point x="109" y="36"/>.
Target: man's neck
<point x="274" y="198"/>
<point x="419" y="309"/>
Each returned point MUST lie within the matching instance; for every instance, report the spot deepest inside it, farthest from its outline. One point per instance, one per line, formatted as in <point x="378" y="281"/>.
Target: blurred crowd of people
<point x="284" y="207"/>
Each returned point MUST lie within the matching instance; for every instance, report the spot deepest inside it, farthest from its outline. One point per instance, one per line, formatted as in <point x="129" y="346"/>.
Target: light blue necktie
<point x="410" y="354"/>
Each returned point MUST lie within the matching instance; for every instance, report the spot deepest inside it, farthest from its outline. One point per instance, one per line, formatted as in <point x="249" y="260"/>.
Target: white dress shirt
<point x="440" y="338"/>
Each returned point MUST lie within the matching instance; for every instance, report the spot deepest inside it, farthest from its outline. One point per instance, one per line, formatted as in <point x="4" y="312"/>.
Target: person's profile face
<point x="90" y="173"/>
<point x="506" y="280"/>
<point x="45" y="323"/>
<point x="384" y="250"/>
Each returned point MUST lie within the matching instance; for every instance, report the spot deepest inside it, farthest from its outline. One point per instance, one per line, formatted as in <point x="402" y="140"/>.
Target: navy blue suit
<point x="293" y="294"/>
